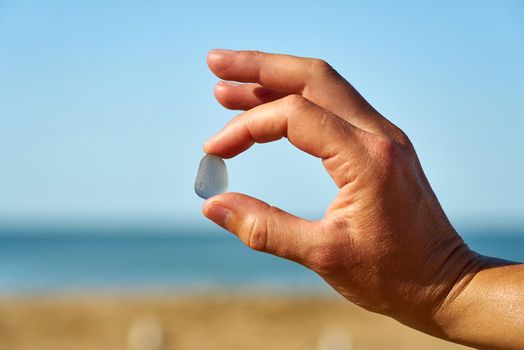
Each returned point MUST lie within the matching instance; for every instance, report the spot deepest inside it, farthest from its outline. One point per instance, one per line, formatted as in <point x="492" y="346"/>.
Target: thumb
<point x="263" y="227"/>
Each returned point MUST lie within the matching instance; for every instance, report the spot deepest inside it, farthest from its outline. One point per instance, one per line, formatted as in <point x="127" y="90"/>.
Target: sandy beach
<point x="219" y="321"/>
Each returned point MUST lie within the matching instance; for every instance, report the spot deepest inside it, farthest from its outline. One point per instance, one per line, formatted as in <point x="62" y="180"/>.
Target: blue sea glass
<point x="212" y="177"/>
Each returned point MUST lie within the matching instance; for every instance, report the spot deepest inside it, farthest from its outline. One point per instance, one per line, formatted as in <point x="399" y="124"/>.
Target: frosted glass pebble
<point x="212" y="177"/>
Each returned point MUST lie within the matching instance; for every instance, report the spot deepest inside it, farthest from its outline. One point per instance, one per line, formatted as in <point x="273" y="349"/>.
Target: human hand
<point x="384" y="242"/>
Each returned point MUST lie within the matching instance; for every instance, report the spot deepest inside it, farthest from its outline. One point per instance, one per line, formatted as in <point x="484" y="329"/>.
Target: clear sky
<point x="104" y="105"/>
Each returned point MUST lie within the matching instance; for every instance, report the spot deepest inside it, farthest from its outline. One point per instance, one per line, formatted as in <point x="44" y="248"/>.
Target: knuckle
<point x="402" y="138"/>
<point x="320" y="67"/>
<point x="386" y="152"/>
<point x="255" y="54"/>
<point x="256" y="237"/>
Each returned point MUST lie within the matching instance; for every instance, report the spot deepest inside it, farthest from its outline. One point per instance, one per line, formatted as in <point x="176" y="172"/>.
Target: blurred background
<point x="105" y="105"/>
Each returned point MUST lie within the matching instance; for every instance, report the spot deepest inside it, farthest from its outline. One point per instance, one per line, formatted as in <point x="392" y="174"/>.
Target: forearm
<point x="486" y="310"/>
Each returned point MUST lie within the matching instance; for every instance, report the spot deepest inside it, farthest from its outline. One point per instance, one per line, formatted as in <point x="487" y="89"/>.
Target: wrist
<point x="446" y="271"/>
<point x="452" y="313"/>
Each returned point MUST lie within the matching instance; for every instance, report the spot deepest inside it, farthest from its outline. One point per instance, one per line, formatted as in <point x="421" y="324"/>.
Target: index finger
<point x="307" y="126"/>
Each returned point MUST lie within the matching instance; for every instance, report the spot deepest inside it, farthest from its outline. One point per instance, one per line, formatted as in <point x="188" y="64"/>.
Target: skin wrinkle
<point x="459" y="255"/>
<point x="340" y="167"/>
<point x="437" y="289"/>
<point x="258" y="73"/>
<point x="351" y="168"/>
<point x="247" y="121"/>
<point x="286" y="126"/>
<point x="342" y="224"/>
<point x="250" y="233"/>
<point x="271" y="226"/>
<point x="297" y="234"/>
<point x="216" y="203"/>
<point x="475" y="264"/>
<point x="342" y="203"/>
<point x="310" y="250"/>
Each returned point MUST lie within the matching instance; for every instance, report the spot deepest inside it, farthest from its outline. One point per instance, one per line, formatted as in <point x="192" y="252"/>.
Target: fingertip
<point x="227" y="199"/>
<point x="219" y="90"/>
<point x="209" y="146"/>
<point x="216" y="211"/>
<point x="212" y="59"/>
<point x="223" y="94"/>
<point x="205" y="148"/>
<point x="222" y="145"/>
<point x="207" y="203"/>
<point x="218" y="59"/>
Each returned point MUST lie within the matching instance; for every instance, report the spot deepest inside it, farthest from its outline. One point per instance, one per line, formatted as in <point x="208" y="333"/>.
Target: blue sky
<point x="104" y="105"/>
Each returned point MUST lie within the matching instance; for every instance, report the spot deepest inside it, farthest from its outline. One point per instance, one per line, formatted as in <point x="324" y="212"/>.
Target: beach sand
<point x="216" y="321"/>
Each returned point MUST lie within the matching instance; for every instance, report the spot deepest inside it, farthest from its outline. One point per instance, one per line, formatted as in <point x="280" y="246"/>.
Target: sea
<point x="51" y="260"/>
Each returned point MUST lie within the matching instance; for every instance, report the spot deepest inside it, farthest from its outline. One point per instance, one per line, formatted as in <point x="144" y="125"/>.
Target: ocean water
<point x="137" y="260"/>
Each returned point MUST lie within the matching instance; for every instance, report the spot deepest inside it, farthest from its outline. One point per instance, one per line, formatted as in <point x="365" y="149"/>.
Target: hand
<point x="385" y="242"/>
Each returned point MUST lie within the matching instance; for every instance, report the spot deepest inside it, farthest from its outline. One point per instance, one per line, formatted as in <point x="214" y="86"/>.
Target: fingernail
<point x="227" y="83"/>
<point x="209" y="142"/>
<point x="221" y="52"/>
<point x="218" y="213"/>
